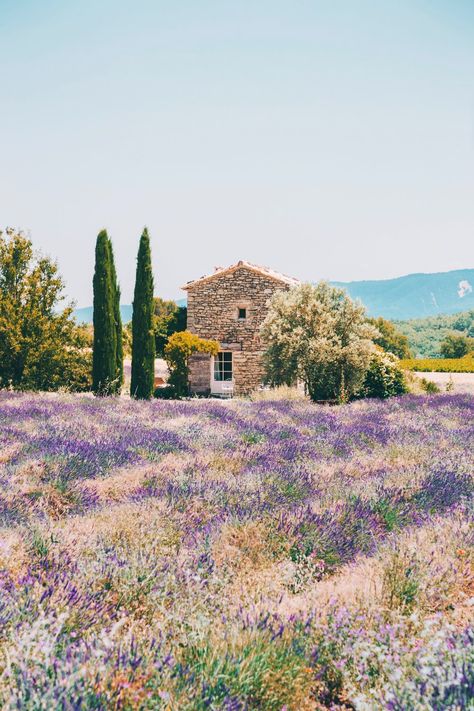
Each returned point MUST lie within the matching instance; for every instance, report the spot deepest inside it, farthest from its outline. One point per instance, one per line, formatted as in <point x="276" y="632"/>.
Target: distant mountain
<point x="415" y="295"/>
<point x="407" y="297"/>
<point x="85" y="314"/>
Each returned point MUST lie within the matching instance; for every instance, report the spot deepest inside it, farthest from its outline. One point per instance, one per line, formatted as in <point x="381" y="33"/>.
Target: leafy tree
<point x="390" y="339"/>
<point x="143" y="338"/>
<point x="41" y="347"/>
<point x="169" y="318"/>
<point x="456" y="345"/>
<point x="465" y="322"/>
<point x="118" y="381"/>
<point x="318" y="335"/>
<point x="104" y="366"/>
<point x="384" y="377"/>
<point x="127" y="339"/>
<point x="425" y="335"/>
<point x="180" y="347"/>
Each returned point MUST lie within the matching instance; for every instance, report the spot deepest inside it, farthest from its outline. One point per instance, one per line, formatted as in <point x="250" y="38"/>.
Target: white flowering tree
<point x="317" y="335"/>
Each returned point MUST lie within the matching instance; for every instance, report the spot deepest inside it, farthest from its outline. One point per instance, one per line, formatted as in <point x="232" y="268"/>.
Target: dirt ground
<point x="462" y="382"/>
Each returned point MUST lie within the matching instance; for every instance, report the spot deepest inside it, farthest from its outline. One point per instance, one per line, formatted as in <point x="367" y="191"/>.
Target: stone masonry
<point x="215" y="303"/>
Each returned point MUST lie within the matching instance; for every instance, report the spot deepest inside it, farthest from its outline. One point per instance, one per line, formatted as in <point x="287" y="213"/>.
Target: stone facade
<point x="230" y="307"/>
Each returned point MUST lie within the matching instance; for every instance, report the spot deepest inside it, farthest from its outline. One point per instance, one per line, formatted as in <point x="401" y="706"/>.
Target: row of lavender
<point x="153" y="544"/>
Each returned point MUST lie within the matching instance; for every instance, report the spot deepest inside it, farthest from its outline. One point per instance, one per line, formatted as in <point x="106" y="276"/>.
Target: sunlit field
<point x="236" y="555"/>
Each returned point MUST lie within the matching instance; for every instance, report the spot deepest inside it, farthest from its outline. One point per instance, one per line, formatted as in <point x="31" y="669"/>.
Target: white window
<point x="223" y="366"/>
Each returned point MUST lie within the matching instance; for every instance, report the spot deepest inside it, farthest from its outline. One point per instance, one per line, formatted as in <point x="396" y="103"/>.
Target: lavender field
<point x="236" y="555"/>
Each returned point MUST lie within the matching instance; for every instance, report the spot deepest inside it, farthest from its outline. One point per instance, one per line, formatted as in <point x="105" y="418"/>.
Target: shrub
<point x="318" y="335"/>
<point x="384" y="377"/>
<point x="429" y="387"/>
<point x="168" y="392"/>
<point x="180" y="347"/>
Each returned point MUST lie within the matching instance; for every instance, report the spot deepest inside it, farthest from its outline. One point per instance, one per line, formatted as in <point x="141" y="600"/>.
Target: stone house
<point x="229" y="306"/>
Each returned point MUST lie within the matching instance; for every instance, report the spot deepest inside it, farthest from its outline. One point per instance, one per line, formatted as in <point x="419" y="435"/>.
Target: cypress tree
<point x="143" y="337"/>
<point x="118" y="381"/>
<point x="104" y="360"/>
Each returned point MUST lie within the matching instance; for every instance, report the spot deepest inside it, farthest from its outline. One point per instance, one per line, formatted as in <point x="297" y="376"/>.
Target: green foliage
<point x="318" y="335"/>
<point x="180" y="347"/>
<point x="167" y="392"/>
<point x="400" y="582"/>
<point x="266" y="666"/>
<point x="169" y="318"/>
<point x="440" y="365"/>
<point x="456" y="345"/>
<point x="429" y="387"/>
<point x="41" y="347"/>
<point x="390" y="338"/>
<point x="426" y="334"/>
<point x="118" y="324"/>
<point x="105" y="378"/>
<point x="127" y="339"/>
<point x="384" y="377"/>
<point x="143" y="338"/>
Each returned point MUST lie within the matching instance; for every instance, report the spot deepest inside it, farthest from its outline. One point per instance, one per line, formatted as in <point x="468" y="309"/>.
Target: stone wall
<point x="213" y="306"/>
<point x="248" y="371"/>
<point x="213" y="312"/>
<point x="200" y="373"/>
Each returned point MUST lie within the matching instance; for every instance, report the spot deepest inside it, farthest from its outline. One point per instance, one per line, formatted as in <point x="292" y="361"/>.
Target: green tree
<point x="456" y="345"/>
<point x="118" y="381"/>
<point x="143" y="337"/>
<point x="41" y="346"/>
<point x="104" y="362"/>
<point x="465" y="322"/>
<point x="318" y="335"/>
<point x="180" y="347"/>
<point x="390" y="339"/>
<point x="169" y="318"/>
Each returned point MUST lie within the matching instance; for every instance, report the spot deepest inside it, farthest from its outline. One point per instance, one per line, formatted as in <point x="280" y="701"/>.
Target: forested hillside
<point x="425" y="334"/>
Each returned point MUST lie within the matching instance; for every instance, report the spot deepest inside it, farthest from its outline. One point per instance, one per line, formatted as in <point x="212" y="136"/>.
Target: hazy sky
<point x="324" y="138"/>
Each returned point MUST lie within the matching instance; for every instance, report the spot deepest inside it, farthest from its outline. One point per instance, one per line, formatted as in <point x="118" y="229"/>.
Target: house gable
<point x="262" y="271"/>
<point x="231" y="304"/>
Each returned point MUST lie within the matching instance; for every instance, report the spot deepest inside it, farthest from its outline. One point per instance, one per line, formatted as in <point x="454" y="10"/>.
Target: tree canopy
<point x="425" y="335"/>
<point x="456" y="345"/>
<point x="143" y="337"/>
<point x="41" y="346"/>
<point x="318" y="335"/>
<point x="169" y="318"/>
<point x="390" y="338"/>
<point x="107" y="369"/>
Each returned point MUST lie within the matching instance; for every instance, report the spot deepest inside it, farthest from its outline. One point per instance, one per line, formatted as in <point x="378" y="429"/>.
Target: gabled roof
<point x="221" y="271"/>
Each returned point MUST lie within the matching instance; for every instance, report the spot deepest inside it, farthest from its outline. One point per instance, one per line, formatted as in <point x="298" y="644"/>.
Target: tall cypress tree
<point x="104" y="360"/>
<point x="118" y="381"/>
<point x="143" y="337"/>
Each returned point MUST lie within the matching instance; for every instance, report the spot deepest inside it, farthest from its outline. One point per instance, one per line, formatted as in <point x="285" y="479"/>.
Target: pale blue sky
<point x="327" y="139"/>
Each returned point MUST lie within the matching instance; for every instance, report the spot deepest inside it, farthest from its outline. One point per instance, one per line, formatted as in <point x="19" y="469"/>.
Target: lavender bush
<point x="236" y="555"/>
